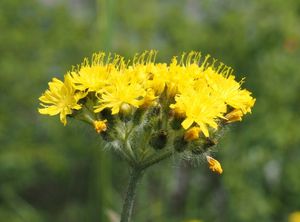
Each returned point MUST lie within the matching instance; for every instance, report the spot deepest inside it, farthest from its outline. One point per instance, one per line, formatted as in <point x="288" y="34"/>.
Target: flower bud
<point x="192" y="134"/>
<point x="234" y="116"/>
<point x="100" y="125"/>
<point x="159" y="140"/>
<point x="125" y="109"/>
<point x="214" y="165"/>
<point x="180" y="144"/>
<point x="177" y="113"/>
<point x="125" y="112"/>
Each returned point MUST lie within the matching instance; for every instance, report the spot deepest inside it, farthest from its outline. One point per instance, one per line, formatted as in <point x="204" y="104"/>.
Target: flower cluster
<point x="186" y="102"/>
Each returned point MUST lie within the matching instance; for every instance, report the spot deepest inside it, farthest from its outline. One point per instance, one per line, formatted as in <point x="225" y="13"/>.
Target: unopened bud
<point x="100" y="125"/>
<point x="214" y="165"/>
<point x="180" y="144"/>
<point x="234" y="116"/>
<point x="177" y="113"/>
<point x="159" y="140"/>
<point x="192" y="134"/>
<point x="125" y="111"/>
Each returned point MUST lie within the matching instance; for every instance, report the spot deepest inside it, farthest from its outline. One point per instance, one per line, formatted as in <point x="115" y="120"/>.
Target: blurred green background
<point x="49" y="172"/>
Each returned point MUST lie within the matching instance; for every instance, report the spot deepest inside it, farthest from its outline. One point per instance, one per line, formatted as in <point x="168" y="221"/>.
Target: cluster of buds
<point x="148" y="111"/>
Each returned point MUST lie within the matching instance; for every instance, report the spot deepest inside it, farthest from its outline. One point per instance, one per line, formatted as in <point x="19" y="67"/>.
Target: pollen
<point x="100" y="125"/>
<point x="214" y="165"/>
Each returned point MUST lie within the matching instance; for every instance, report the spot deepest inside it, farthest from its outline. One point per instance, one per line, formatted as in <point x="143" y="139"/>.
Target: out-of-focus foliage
<point x="53" y="173"/>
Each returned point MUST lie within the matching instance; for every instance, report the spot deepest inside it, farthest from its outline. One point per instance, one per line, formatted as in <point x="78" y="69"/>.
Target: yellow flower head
<point x="191" y="93"/>
<point x="121" y="90"/>
<point x="214" y="165"/>
<point x="228" y="89"/>
<point x="100" y="125"/>
<point x="201" y="107"/>
<point x="61" y="98"/>
<point x="94" y="76"/>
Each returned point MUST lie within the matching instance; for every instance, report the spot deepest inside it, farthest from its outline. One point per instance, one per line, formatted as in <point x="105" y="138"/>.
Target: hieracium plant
<point x="147" y="111"/>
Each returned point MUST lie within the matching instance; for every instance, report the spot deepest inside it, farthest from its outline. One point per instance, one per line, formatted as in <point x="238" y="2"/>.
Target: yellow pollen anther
<point x="100" y="125"/>
<point x="192" y="134"/>
<point x="214" y="165"/>
<point x="234" y="116"/>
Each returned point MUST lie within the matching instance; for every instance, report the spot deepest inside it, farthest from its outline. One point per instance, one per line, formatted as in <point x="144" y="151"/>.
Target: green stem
<point x="135" y="177"/>
<point x="156" y="159"/>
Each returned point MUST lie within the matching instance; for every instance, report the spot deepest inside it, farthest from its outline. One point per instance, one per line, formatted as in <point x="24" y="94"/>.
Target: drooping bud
<point x="192" y="134"/>
<point x="214" y="165"/>
<point x="100" y="125"/>
<point x="234" y="116"/>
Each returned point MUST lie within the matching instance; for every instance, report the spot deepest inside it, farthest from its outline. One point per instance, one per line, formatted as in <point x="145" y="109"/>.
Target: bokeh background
<point x="49" y="172"/>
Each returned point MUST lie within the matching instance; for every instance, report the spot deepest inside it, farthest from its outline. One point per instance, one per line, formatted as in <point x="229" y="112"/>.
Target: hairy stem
<point x="135" y="177"/>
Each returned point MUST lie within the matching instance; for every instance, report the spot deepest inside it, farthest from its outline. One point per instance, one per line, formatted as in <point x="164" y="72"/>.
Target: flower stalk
<point x="134" y="179"/>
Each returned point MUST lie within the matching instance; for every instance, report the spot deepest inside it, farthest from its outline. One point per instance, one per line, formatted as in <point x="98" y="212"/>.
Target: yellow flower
<point x="149" y="99"/>
<point x="90" y="78"/>
<point x="95" y="75"/>
<point x="229" y="90"/>
<point x="200" y="107"/>
<point x="61" y="98"/>
<point x="121" y="90"/>
<point x="294" y="217"/>
<point x="100" y="125"/>
<point x="177" y="78"/>
<point x="214" y="165"/>
<point x="157" y="77"/>
<point x="192" y="134"/>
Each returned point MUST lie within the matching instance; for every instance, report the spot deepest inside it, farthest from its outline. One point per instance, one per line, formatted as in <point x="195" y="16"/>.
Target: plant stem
<point x="135" y="176"/>
<point x="157" y="159"/>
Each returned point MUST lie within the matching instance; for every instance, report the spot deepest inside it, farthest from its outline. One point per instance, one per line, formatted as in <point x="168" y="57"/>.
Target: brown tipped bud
<point x="192" y="134"/>
<point x="177" y="113"/>
<point x="234" y="116"/>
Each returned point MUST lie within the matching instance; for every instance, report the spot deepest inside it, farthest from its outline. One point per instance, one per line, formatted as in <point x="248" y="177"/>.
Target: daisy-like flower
<point x="200" y="107"/>
<point x="228" y="89"/>
<point x="121" y="90"/>
<point x="61" y="98"/>
<point x="94" y="76"/>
